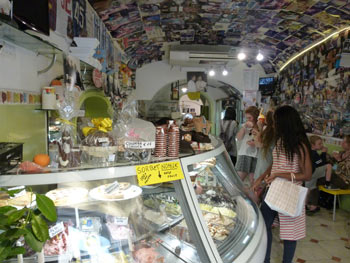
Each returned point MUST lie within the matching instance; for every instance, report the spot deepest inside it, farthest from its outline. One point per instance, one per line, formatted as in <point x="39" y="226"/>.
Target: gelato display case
<point x="104" y="215"/>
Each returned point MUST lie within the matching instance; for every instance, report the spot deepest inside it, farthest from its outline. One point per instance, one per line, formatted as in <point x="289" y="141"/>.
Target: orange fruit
<point x="56" y="82"/>
<point x="42" y="159"/>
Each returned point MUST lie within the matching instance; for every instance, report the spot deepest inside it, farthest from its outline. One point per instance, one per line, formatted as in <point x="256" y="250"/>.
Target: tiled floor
<point x="325" y="240"/>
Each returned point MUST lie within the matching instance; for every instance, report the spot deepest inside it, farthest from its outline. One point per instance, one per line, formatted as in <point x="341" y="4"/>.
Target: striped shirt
<point x="291" y="228"/>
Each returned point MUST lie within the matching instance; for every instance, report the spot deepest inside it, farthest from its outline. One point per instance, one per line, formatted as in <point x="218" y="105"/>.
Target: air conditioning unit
<point x="201" y="55"/>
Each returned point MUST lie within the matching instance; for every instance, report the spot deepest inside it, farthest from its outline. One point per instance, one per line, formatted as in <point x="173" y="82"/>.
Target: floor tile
<point x="323" y="261"/>
<point x="311" y="251"/>
<point x="325" y="239"/>
<point x="336" y="248"/>
<point x="321" y="234"/>
<point x="336" y="259"/>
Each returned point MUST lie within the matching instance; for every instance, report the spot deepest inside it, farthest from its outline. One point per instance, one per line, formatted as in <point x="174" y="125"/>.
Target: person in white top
<point x="200" y="84"/>
<point x="191" y="85"/>
<point x="248" y="152"/>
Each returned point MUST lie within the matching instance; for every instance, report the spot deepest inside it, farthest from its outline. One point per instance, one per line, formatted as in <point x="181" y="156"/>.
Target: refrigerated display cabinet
<point x="206" y="217"/>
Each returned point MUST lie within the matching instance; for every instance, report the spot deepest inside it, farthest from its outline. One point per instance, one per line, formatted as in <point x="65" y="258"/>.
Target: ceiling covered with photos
<point x="279" y="29"/>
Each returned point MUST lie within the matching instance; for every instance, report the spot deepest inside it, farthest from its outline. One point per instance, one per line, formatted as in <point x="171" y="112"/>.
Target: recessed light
<point x="211" y="73"/>
<point x="241" y="56"/>
<point x="224" y="72"/>
<point x="259" y="57"/>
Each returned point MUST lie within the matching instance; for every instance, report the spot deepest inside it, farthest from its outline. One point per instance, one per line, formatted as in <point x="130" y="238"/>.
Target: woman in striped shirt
<point x="290" y="155"/>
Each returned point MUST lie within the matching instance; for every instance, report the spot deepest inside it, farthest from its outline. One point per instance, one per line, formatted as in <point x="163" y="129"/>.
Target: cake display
<point x="21" y="200"/>
<point x="67" y="196"/>
<point x="115" y="191"/>
<point x="171" y="204"/>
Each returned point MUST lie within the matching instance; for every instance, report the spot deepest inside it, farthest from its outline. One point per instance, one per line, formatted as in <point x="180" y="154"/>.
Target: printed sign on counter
<point x="149" y="174"/>
<point x="139" y="145"/>
<point x="56" y="229"/>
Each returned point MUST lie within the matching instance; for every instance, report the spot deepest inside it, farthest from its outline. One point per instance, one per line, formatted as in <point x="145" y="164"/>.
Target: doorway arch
<point x="217" y="91"/>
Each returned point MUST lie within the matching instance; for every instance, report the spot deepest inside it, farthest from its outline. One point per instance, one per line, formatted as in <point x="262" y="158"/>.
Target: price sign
<point x="149" y="174"/>
<point x="139" y="145"/>
<point x="56" y="229"/>
<point x="121" y="221"/>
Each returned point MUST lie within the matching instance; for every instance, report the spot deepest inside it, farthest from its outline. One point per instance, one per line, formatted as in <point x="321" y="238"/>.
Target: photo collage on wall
<point x="279" y="29"/>
<point x="319" y="88"/>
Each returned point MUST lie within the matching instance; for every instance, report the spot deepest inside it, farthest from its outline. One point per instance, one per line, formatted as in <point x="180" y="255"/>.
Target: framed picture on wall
<point x="197" y="81"/>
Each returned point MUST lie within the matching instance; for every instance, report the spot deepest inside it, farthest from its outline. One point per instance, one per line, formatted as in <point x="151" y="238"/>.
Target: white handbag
<point x="286" y="197"/>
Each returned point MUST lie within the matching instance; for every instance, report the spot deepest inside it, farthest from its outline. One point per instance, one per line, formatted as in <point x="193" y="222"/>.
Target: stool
<point x="335" y="193"/>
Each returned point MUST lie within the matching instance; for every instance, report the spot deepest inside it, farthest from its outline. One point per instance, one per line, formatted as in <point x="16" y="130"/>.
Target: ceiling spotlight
<point x="184" y="89"/>
<point x="241" y="56"/>
<point x="211" y="73"/>
<point x="224" y="72"/>
<point x="259" y="57"/>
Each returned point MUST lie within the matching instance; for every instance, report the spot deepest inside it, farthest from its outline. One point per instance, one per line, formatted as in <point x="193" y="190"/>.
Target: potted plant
<point x="28" y="223"/>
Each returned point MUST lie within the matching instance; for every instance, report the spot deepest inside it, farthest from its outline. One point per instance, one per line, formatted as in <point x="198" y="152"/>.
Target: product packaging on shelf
<point x="99" y="146"/>
<point x="67" y="110"/>
<point x="136" y="137"/>
<point x="59" y="242"/>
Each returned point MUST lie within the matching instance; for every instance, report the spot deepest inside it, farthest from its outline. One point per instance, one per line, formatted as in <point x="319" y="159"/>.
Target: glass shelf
<point x="11" y="34"/>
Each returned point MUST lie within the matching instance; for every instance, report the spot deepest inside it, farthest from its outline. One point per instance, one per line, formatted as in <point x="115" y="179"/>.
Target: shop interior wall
<point x="152" y="77"/>
<point x="319" y="88"/>
<point x="23" y="122"/>
<point x="161" y="105"/>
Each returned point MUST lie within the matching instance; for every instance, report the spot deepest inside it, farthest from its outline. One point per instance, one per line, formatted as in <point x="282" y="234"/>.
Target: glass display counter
<point x="105" y="216"/>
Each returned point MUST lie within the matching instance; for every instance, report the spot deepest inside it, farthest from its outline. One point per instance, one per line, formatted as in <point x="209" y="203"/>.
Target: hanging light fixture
<point x="211" y="73"/>
<point x="260" y="56"/>
<point x="224" y="72"/>
<point x="241" y="56"/>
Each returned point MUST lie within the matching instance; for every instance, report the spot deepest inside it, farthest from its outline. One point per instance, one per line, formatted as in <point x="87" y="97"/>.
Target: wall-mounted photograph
<point x="197" y="81"/>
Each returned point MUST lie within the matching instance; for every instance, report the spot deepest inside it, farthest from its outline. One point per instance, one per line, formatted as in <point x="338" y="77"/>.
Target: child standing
<point x="248" y="152"/>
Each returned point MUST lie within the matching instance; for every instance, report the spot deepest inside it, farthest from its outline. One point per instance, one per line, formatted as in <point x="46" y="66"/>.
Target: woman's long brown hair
<point x="268" y="134"/>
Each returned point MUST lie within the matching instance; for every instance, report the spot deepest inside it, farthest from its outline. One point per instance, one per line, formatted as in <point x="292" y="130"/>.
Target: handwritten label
<point x="139" y="145"/>
<point x="102" y="140"/>
<point x="149" y="174"/>
<point x="121" y="221"/>
<point x="56" y="229"/>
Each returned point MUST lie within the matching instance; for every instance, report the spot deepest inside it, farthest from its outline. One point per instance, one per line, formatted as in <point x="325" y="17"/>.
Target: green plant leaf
<point x="13" y="233"/>
<point x="15" y="215"/>
<point x="17" y="251"/>
<point x="35" y="244"/>
<point x="13" y="192"/>
<point x="3" y="220"/>
<point x="5" y="248"/>
<point x="40" y="228"/>
<point x="46" y="207"/>
<point x="5" y="209"/>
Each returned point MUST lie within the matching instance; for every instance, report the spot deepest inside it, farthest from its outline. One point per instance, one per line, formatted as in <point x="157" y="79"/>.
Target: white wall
<point x="18" y="69"/>
<point x="152" y="77"/>
<point x="216" y="93"/>
<point x="187" y="103"/>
